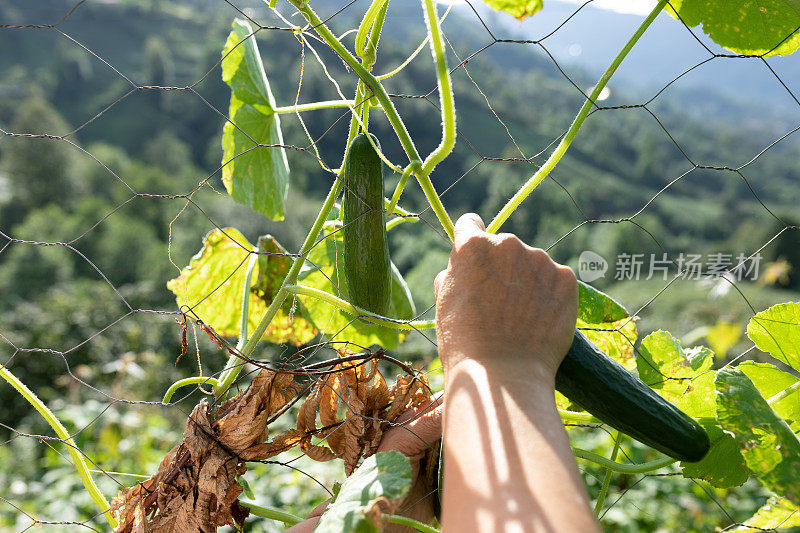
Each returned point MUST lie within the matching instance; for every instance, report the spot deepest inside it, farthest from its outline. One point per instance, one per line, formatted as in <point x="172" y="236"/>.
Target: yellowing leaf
<point x="776" y="513"/>
<point x="669" y="368"/>
<point x="211" y="286"/>
<point x="770" y="380"/>
<point x="607" y="324"/>
<point x="520" y="9"/>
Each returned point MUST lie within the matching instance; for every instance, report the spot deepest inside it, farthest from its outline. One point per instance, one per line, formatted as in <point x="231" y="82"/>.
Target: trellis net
<point x="677" y="198"/>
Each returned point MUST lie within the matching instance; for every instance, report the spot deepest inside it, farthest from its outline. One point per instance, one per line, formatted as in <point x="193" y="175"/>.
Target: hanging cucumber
<point x="366" y="250"/>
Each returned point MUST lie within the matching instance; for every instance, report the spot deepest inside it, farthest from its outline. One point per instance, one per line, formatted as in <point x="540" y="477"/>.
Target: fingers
<point x="418" y="429"/>
<point x="467" y="226"/>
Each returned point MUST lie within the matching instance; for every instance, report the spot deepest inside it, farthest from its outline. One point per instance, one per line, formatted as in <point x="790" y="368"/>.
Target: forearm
<point x="508" y="464"/>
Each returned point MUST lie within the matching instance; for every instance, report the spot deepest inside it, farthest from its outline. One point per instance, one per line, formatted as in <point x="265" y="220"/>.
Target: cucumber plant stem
<point x="244" y="318"/>
<point x="356" y="311"/>
<point x="388" y="107"/>
<point x="601" y="498"/>
<point x="410" y="522"/>
<point x="641" y="468"/>
<point x="270" y="512"/>
<point x="562" y="147"/>
<point x="63" y="434"/>
<point x="187" y="381"/>
<point x="233" y="365"/>
<point x="784" y="393"/>
<point x="446" y="100"/>
<point x="313" y="106"/>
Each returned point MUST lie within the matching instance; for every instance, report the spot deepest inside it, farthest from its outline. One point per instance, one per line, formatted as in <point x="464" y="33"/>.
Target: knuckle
<point x="474" y="242"/>
<point x="567" y="275"/>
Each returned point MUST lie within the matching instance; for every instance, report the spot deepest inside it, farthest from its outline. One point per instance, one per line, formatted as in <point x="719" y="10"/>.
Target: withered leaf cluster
<point x="368" y="406"/>
<point x="195" y="488"/>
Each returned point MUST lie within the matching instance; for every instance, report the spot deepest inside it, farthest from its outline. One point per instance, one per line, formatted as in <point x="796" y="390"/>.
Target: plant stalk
<point x="784" y="393"/>
<point x="641" y="468"/>
<point x="358" y="312"/>
<point x="388" y="107"/>
<point x="63" y="434"/>
<point x="313" y="106"/>
<point x="562" y="147"/>
<point x="601" y="498"/>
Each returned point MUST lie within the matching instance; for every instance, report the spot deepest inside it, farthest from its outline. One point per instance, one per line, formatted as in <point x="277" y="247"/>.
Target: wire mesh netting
<point x="678" y="197"/>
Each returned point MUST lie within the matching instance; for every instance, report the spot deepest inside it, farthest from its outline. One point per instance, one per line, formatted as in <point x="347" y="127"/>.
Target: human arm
<point x="505" y="319"/>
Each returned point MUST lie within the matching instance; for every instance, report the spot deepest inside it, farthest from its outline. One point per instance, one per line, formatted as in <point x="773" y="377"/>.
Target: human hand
<point x="413" y="434"/>
<point x="503" y="304"/>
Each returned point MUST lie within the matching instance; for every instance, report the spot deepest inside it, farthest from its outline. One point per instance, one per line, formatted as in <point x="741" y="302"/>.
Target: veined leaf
<point x="520" y="9"/>
<point x="376" y="488"/>
<point x="253" y="174"/>
<point x="597" y="307"/>
<point x="763" y="27"/>
<point x="324" y="270"/>
<point x="669" y="368"/>
<point x="776" y="513"/>
<point x="211" y="285"/>
<point x="777" y="330"/>
<point x="770" y="380"/>
<point x="769" y="447"/>
<point x="607" y="324"/>
<point x="723" y="466"/>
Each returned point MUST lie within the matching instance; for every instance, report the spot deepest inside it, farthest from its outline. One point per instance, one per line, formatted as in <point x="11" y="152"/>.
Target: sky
<point x="632" y="7"/>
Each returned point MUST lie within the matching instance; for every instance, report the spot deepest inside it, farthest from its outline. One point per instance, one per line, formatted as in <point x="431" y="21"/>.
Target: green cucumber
<point x="604" y="388"/>
<point x="366" y="250"/>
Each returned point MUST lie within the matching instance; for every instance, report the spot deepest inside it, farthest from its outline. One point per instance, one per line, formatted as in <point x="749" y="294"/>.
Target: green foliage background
<point x="89" y="196"/>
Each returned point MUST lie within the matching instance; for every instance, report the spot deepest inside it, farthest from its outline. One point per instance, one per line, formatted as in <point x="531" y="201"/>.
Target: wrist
<point x="512" y="372"/>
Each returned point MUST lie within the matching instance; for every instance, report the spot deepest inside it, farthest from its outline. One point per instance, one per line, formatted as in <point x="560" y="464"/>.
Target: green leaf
<point x="255" y="175"/>
<point x="596" y="307"/>
<point x="777" y="330"/>
<point x="667" y="367"/>
<point x="776" y="513"/>
<point x="700" y="398"/>
<point x="723" y="466"/>
<point x="763" y="27"/>
<point x="520" y="9"/>
<point x="770" y="380"/>
<point x="211" y="285"/>
<point x="769" y="447"/>
<point x="324" y="270"/>
<point x="376" y="488"/>
<point x="607" y="324"/>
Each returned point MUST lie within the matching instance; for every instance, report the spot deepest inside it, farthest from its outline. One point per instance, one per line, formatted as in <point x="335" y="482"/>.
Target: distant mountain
<point x="592" y="37"/>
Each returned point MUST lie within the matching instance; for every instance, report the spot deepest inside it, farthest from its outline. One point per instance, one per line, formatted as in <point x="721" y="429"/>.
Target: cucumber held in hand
<point x="366" y="250"/>
<point x="608" y="391"/>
